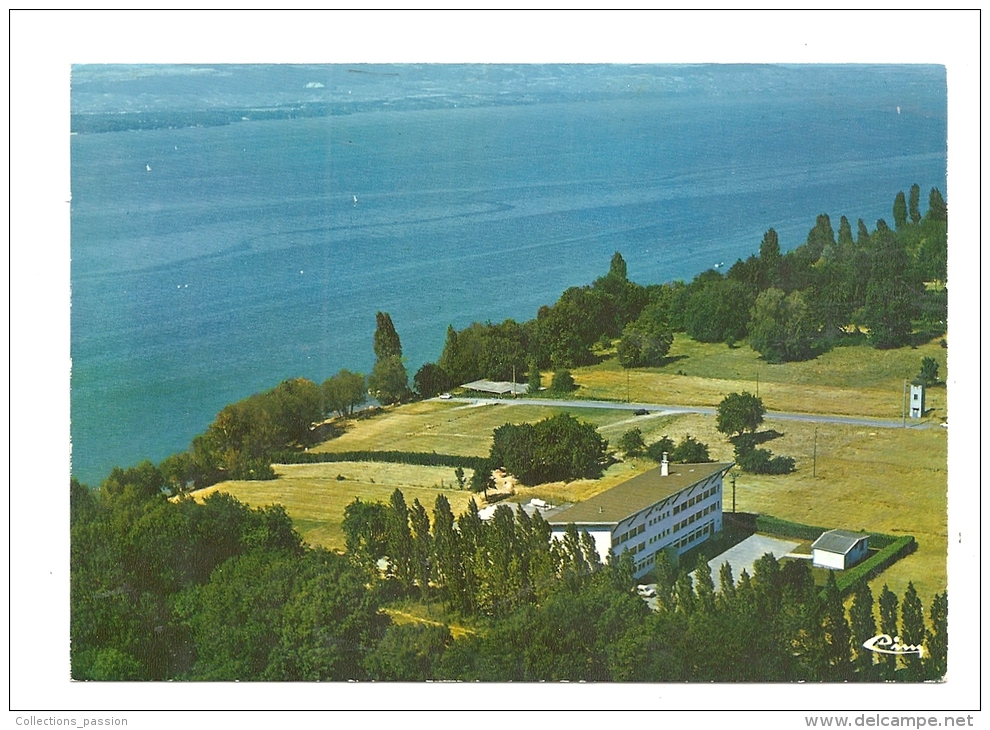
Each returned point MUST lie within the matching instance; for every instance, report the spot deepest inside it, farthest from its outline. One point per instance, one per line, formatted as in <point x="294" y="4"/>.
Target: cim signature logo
<point x="883" y="644"/>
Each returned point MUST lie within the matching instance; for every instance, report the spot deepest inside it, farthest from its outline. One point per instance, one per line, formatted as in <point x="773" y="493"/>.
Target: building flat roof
<point x="496" y="387"/>
<point x="626" y="499"/>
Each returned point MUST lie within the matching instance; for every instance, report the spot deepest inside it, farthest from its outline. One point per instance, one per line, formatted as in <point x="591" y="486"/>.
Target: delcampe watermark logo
<point x="883" y="644"/>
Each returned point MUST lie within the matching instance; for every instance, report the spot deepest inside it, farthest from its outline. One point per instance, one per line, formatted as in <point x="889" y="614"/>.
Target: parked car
<point x="445" y="396"/>
<point x="646" y="591"/>
<point x="641" y="412"/>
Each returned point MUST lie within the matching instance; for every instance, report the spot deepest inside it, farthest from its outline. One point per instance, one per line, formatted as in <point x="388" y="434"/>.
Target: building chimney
<point x="664" y="465"/>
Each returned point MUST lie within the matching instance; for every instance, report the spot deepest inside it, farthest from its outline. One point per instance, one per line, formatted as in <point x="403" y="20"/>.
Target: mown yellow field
<point x="893" y="481"/>
<point x="447" y="427"/>
<point x="855" y="380"/>
<point x="315" y="498"/>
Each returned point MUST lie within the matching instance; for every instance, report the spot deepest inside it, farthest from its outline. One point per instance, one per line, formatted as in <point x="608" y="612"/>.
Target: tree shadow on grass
<point x="671" y="359"/>
<point x="924" y="336"/>
<point x="752" y="440"/>
<point x="850" y="339"/>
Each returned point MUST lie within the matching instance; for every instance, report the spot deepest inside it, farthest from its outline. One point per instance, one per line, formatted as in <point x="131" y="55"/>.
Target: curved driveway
<point x="660" y="409"/>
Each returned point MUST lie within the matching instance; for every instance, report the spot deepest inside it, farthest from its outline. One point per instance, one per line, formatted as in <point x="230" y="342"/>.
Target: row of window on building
<point x="631" y="533"/>
<point x="696" y="516"/>
<point x="692" y="537"/>
<point x="695" y="534"/>
<point x="694" y="500"/>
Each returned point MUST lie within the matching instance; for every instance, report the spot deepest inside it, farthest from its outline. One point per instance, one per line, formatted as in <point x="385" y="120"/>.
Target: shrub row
<point x="762" y="461"/>
<point x="418" y="458"/>
<point x="777" y="526"/>
<point x="877" y="563"/>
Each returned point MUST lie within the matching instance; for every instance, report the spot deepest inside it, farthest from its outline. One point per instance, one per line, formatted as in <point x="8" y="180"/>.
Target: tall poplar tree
<point x="446" y="555"/>
<point x="819" y="238"/>
<point x="399" y="540"/>
<point x="888" y="625"/>
<point x="912" y="631"/>
<point x="664" y="573"/>
<point x="936" y="206"/>
<point x="684" y="592"/>
<point x="864" y="626"/>
<point x="914" y="199"/>
<point x="937" y="640"/>
<point x="617" y="267"/>
<point x="837" y="633"/>
<point x="727" y="586"/>
<point x="770" y="259"/>
<point x="389" y="380"/>
<point x="845" y="241"/>
<point x="422" y="546"/>
<point x="900" y="211"/>
<point x="386" y="338"/>
<point x="704" y="587"/>
<point x="812" y="641"/>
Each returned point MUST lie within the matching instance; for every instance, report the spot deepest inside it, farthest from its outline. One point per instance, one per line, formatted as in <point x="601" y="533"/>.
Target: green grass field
<point x="854" y="380"/>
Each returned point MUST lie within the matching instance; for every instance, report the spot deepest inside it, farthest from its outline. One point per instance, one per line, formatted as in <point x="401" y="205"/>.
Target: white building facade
<point x="675" y="506"/>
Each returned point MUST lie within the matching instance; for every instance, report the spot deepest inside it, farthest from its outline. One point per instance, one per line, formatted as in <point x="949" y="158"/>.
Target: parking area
<point x="744" y="554"/>
<point x="740" y="556"/>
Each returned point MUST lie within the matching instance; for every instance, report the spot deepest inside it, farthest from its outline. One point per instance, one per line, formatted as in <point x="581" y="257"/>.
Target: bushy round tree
<point x="738" y="413"/>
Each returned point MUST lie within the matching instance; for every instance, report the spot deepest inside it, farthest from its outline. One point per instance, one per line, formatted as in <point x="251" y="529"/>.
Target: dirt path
<point x="456" y="631"/>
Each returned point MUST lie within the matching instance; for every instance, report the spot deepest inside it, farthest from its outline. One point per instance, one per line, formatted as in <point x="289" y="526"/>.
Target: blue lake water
<point x="241" y="257"/>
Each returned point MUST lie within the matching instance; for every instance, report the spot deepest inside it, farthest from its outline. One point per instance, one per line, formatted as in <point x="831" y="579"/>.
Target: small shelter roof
<point x="838" y="541"/>
<point x="496" y="387"/>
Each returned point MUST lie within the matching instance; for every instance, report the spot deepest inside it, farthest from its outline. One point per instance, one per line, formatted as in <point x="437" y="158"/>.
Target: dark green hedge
<point x="419" y="458"/>
<point x="777" y="526"/>
<point x="876" y="563"/>
<point x="762" y="461"/>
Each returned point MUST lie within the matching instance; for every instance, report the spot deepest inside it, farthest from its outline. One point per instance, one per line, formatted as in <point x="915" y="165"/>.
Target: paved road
<point x="660" y="409"/>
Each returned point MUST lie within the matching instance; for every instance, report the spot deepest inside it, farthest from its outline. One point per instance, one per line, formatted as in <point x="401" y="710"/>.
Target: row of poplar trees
<point x="553" y="611"/>
<point x="474" y="566"/>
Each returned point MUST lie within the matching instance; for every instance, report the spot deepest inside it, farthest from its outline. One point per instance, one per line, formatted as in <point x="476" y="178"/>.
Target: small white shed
<point x="839" y="549"/>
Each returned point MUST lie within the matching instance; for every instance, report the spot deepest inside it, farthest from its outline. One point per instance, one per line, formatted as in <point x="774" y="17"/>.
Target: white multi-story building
<point x="674" y="506"/>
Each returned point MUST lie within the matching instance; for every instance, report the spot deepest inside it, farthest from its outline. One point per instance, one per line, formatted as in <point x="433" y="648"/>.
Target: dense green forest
<point x="176" y="589"/>
<point x="790" y="306"/>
